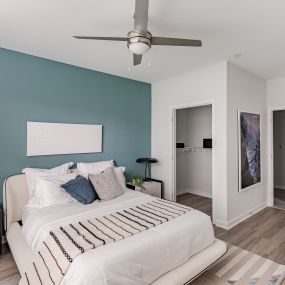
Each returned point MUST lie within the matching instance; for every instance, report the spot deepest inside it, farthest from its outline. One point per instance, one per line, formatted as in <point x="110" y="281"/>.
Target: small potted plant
<point x="137" y="181"/>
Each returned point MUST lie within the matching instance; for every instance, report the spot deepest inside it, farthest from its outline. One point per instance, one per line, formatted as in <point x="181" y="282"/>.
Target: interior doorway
<point x="279" y="159"/>
<point x="193" y="157"/>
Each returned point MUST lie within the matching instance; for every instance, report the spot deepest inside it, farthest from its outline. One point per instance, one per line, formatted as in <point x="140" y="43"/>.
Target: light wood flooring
<point x="263" y="234"/>
<point x="7" y="264"/>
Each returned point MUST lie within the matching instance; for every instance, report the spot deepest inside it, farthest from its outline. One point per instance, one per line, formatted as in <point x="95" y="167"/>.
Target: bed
<point x="173" y="253"/>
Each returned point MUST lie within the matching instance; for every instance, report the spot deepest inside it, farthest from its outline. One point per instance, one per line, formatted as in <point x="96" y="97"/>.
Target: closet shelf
<point x="194" y="149"/>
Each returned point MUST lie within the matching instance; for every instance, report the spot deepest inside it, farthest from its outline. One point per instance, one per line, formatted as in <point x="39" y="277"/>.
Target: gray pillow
<point x="106" y="184"/>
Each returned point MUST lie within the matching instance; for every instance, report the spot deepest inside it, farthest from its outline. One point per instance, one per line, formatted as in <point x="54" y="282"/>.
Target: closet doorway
<point x="193" y="157"/>
<point x="279" y="159"/>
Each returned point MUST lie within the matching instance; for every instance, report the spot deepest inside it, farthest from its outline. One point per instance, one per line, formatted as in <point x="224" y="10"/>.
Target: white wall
<point x="194" y="169"/>
<point x="229" y="88"/>
<point x="207" y="85"/>
<point x="276" y="92"/>
<point x="245" y="92"/>
<point x="279" y="149"/>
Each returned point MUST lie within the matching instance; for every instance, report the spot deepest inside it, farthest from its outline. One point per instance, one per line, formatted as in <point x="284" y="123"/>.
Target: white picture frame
<point x="57" y="138"/>
<point x="250" y="176"/>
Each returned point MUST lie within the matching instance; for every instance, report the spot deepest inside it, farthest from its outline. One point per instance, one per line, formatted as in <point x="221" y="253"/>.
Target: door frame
<point x="173" y="148"/>
<point x="270" y="157"/>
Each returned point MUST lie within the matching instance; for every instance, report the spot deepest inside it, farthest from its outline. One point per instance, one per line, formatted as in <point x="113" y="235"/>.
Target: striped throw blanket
<point x="62" y="245"/>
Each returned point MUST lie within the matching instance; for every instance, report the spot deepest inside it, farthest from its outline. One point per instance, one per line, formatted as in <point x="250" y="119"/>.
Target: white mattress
<point x="138" y="260"/>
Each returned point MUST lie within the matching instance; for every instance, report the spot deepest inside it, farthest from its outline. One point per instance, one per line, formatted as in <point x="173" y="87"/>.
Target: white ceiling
<point x="253" y="28"/>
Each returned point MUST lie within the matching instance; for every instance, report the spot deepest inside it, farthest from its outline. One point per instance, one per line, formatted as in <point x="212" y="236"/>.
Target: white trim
<point x="240" y="189"/>
<point x="235" y="221"/>
<point x="200" y="193"/>
<point x="196" y="192"/>
<point x="172" y="152"/>
<point x="219" y="223"/>
<point x="270" y="174"/>
<point x="173" y="155"/>
<point x="182" y="191"/>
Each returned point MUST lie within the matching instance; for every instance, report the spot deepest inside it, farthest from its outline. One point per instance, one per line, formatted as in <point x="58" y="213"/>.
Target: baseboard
<point x="181" y="191"/>
<point x="279" y="187"/>
<point x="235" y="221"/>
<point x="200" y="193"/>
<point x="194" y="191"/>
<point x="220" y="224"/>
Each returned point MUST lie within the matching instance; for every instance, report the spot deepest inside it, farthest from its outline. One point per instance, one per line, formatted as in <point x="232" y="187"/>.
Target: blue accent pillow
<point x="80" y="189"/>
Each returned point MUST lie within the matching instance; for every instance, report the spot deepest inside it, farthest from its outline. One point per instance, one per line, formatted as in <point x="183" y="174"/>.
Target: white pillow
<point x="33" y="173"/>
<point x="119" y="172"/>
<point x="94" y="167"/>
<point x="49" y="191"/>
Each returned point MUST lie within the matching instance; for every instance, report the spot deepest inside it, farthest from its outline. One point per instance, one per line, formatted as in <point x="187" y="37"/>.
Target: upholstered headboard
<point x="15" y="197"/>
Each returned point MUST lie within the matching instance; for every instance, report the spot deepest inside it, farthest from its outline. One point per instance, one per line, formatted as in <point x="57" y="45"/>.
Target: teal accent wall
<point x="36" y="89"/>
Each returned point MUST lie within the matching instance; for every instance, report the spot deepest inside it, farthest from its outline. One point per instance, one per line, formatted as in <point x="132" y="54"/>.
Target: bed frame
<point x="15" y="197"/>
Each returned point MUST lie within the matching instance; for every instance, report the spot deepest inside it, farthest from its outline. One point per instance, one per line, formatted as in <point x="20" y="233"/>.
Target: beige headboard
<point x="15" y="197"/>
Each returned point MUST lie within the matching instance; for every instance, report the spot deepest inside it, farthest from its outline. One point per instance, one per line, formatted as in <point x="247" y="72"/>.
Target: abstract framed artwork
<point x="249" y="149"/>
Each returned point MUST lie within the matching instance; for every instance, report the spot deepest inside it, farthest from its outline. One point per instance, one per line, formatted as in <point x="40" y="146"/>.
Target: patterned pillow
<point x="106" y="184"/>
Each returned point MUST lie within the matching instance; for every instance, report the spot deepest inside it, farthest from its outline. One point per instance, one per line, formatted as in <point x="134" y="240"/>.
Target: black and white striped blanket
<point x="62" y="245"/>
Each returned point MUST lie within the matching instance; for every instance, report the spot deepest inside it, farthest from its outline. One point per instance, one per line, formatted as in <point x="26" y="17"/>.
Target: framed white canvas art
<point x="56" y="138"/>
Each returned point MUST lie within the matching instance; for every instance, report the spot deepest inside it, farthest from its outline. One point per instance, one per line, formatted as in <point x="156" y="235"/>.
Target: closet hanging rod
<point x="193" y="149"/>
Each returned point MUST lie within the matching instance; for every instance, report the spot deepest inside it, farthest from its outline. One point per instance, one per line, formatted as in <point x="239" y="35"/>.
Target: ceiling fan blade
<point x="137" y="59"/>
<point x="101" y="38"/>
<point x="175" y="42"/>
<point x="141" y="16"/>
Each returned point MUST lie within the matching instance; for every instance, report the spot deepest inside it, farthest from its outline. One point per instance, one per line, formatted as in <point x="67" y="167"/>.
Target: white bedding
<point x="138" y="260"/>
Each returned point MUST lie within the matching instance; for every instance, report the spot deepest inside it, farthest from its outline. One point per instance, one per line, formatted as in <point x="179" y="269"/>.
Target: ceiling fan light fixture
<point x="139" y="43"/>
<point x="139" y="47"/>
<point x="140" y="40"/>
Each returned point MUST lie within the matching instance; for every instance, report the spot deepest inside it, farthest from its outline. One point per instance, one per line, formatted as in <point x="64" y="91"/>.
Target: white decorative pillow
<point x="49" y="191"/>
<point x="94" y="167"/>
<point x="106" y="184"/>
<point x="119" y="172"/>
<point x="33" y="173"/>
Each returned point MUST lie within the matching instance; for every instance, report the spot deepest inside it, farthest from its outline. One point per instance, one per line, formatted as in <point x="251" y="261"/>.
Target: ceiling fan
<point x="140" y="40"/>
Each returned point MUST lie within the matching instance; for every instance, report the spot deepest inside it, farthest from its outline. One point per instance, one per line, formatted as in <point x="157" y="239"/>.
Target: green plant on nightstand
<point x="137" y="181"/>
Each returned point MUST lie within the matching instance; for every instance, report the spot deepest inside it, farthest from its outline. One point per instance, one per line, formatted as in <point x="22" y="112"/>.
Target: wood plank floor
<point x="7" y="264"/>
<point x="263" y="234"/>
<point x="200" y="203"/>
